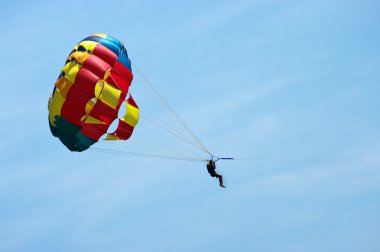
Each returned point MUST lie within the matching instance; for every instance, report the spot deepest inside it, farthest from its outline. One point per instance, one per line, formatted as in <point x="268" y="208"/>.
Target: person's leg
<point x="220" y="180"/>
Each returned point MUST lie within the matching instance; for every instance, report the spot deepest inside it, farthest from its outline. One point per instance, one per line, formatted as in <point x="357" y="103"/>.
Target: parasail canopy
<point x="90" y="89"/>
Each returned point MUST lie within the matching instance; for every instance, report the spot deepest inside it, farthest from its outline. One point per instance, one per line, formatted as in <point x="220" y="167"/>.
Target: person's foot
<point x="223" y="186"/>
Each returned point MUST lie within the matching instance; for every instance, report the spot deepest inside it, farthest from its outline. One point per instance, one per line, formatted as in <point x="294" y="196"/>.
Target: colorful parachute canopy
<point x="89" y="93"/>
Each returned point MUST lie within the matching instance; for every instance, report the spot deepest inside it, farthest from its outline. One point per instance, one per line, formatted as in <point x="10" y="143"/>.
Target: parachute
<point x="90" y="90"/>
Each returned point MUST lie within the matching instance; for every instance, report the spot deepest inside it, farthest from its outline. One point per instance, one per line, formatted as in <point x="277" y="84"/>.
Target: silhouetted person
<point x="211" y="169"/>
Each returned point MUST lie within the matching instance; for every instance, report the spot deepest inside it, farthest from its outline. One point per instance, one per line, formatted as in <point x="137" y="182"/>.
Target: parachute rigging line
<point x="171" y="132"/>
<point x="171" y="110"/>
<point x="148" y="155"/>
<point x="310" y="160"/>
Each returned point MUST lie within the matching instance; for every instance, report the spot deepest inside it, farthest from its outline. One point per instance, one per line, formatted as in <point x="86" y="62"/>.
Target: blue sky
<point x="275" y="80"/>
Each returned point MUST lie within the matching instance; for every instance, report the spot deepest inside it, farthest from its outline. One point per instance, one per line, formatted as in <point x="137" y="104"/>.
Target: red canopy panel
<point x="103" y="112"/>
<point x="123" y="71"/>
<point x="94" y="131"/>
<point x="123" y="131"/>
<point x="105" y="54"/>
<point x="132" y="101"/>
<point x="73" y="108"/>
<point x="86" y="80"/>
<point x="119" y="81"/>
<point x="96" y="65"/>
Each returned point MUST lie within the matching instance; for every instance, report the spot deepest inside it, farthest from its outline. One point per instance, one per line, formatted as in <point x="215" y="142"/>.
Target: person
<point x="211" y="169"/>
